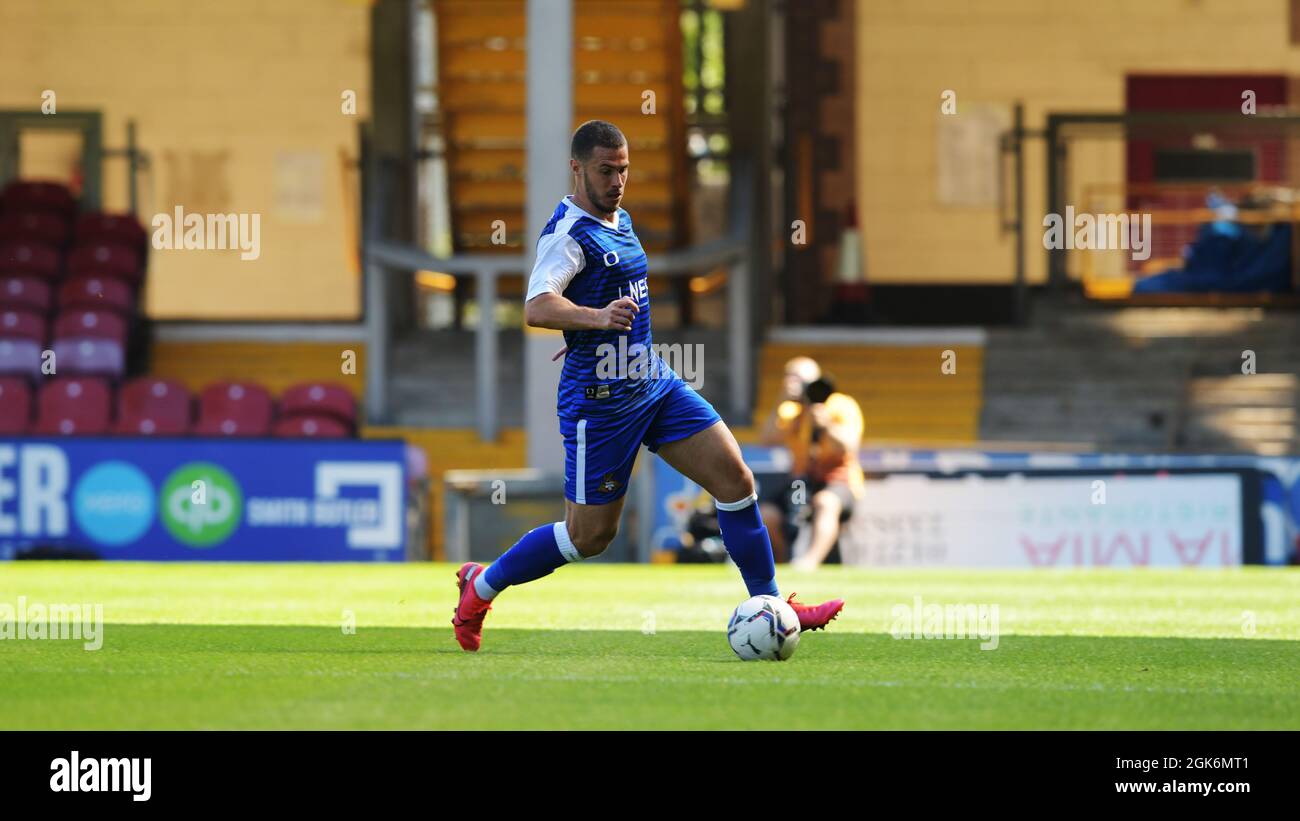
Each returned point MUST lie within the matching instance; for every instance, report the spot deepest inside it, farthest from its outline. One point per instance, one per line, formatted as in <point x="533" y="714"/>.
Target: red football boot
<point x="471" y="609"/>
<point x="815" y="617"/>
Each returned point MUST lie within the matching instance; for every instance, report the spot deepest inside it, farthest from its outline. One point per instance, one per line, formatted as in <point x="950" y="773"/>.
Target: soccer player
<point x="589" y="281"/>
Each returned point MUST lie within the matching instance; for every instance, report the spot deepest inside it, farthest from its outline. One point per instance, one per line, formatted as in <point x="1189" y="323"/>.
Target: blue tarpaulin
<point x="1229" y="257"/>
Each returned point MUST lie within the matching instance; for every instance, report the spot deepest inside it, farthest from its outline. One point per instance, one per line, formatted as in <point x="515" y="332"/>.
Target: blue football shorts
<point x="599" y="452"/>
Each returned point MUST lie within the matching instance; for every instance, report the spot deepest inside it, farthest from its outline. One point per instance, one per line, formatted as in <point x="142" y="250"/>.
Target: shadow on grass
<point x="688" y="645"/>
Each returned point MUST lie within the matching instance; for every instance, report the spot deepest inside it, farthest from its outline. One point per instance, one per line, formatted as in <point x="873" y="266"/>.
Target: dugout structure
<point x="1165" y="164"/>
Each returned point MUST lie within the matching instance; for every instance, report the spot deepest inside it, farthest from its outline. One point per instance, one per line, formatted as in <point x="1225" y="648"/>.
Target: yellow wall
<point x="1052" y="54"/>
<point x="274" y="365"/>
<point x="218" y="89"/>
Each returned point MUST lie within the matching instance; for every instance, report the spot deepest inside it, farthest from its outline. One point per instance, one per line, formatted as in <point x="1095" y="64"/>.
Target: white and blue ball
<point x="763" y="628"/>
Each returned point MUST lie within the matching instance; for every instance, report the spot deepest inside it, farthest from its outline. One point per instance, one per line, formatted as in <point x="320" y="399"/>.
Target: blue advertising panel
<point x="204" y="499"/>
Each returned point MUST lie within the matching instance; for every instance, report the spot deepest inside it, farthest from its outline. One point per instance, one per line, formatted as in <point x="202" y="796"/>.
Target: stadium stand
<point x="27" y="257"/>
<point x="97" y="293"/>
<point x="73" y="285"/>
<point x="22" y="325"/>
<point x="1145" y="379"/>
<point x="321" y="426"/>
<point x="15" y="406"/>
<point x="74" y="405"/>
<point x="37" y="196"/>
<point x="154" y="407"/>
<point x="317" y="400"/>
<point x="234" y="409"/>
<point x="35" y="226"/>
<point x="25" y="293"/>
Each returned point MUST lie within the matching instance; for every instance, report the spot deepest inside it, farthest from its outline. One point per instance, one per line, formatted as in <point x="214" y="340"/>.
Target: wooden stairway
<point x="621" y="50"/>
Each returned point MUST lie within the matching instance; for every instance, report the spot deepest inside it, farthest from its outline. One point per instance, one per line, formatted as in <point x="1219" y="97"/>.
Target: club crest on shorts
<point x="608" y="484"/>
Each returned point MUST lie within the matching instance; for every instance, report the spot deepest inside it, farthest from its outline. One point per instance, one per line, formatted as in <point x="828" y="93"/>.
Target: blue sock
<point x="538" y="553"/>
<point x="745" y="537"/>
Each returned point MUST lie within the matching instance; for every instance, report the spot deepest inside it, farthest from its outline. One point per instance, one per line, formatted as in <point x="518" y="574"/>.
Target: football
<point x="763" y="628"/>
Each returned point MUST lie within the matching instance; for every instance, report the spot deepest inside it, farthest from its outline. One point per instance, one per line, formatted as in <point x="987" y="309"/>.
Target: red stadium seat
<point x="34" y="226"/>
<point x="22" y="325"/>
<point x="29" y="258"/>
<point x="90" y="357"/>
<point x="73" y="406"/>
<point x="316" y="398"/>
<point x="37" y="196"/>
<point x="94" y="293"/>
<point x="157" y="407"/>
<point x="83" y="324"/>
<point x="234" y="409"/>
<point x="25" y="293"/>
<point x="105" y="259"/>
<point x="122" y="229"/>
<point x="320" y="426"/>
<point x="22" y="340"/>
<point x="21" y="357"/>
<point x="15" y="406"/>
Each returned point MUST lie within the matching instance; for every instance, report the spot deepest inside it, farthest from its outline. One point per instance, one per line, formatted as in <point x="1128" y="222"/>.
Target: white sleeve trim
<point x="559" y="259"/>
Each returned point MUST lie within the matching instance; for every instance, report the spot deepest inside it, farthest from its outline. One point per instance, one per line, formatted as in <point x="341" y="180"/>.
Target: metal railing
<point x="386" y="259"/>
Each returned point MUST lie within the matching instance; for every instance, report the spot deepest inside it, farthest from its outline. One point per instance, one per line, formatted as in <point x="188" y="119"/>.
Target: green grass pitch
<point x="608" y="646"/>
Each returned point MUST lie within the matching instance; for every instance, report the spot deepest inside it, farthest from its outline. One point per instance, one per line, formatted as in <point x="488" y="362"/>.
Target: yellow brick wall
<point x="217" y="90"/>
<point x="275" y="365"/>
<point x="1054" y="55"/>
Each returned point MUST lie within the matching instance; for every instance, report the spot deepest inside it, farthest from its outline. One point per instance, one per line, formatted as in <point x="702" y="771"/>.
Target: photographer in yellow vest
<point x="822" y="429"/>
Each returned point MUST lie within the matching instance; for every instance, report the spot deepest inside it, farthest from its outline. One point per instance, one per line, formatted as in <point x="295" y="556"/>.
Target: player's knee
<point x="737" y="484"/>
<point x="591" y="540"/>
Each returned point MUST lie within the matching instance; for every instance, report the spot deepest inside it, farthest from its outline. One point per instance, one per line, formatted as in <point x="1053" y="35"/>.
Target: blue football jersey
<point x="592" y="263"/>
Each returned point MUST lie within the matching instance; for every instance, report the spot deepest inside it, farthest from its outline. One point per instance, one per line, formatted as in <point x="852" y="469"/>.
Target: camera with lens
<point x="817" y="392"/>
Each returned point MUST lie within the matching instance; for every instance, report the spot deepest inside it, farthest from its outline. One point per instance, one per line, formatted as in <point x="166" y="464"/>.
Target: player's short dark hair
<point x="594" y="133"/>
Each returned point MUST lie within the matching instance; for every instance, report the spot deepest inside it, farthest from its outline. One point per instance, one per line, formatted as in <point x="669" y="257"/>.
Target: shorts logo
<point x="597" y="392"/>
<point x="608" y="484"/>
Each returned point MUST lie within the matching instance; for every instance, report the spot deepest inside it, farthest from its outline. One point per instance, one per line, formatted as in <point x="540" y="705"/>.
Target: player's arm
<point x="559" y="260"/>
<point x="550" y="310"/>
